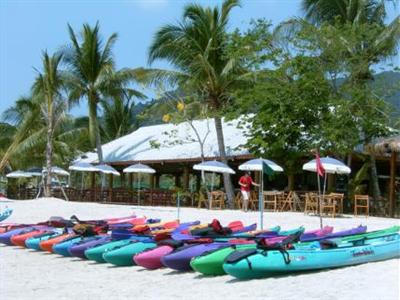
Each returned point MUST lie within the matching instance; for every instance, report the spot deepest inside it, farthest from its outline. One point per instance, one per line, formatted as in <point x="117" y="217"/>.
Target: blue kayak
<point x="63" y="247"/>
<point x="33" y="242"/>
<point x="265" y="263"/>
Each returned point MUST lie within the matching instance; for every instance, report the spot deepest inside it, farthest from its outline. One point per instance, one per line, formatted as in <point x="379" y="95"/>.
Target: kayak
<point x="123" y="256"/>
<point x="328" y="235"/>
<point x="212" y="263"/>
<point x="78" y="249"/>
<point x="261" y="263"/>
<point x="5" y="238"/>
<point x="47" y="245"/>
<point x="33" y="242"/>
<point x="180" y="259"/>
<point x="151" y="259"/>
<point x="62" y="248"/>
<point x="19" y="239"/>
<point x="96" y="253"/>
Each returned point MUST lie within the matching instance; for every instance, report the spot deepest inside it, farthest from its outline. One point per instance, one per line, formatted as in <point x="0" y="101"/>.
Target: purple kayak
<point x="353" y="231"/>
<point x="180" y="259"/>
<point x="78" y="249"/>
<point x="5" y="238"/>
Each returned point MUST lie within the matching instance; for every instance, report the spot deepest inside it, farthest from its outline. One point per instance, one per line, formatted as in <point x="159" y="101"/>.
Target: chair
<point x="253" y="201"/>
<point x="311" y="204"/>
<point x="361" y="201"/>
<point x="271" y="199"/>
<point x="338" y="199"/>
<point x="217" y="198"/>
<point x="328" y="205"/>
<point x="289" y="202"/>
<point x="238" y="202"/>
<point x="202" y="200"/>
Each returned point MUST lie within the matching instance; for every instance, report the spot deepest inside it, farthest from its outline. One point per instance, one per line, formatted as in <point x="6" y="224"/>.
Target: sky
<point x="27" y="27"/>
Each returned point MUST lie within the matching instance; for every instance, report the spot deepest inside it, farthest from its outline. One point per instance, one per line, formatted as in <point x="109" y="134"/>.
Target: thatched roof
<point x="389" y="144"/>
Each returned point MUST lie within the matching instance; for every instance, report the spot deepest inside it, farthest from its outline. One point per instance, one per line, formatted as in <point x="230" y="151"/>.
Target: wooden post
<point x="392" y="195"/>
<point x="198" y="182"/>
<point x="110" y="186"/>
<point x="152" y="181"/>
<point x="130" y="181"/>
<point x="157" y="181"/>
<point x="177" y="181"/>
<point x="122" y="179"/>
<point x="186" y="178"/>
<point x="92" y="185"/>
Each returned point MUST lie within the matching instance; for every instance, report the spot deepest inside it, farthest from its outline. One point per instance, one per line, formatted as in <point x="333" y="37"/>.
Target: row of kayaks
<point x="210" y="249"/>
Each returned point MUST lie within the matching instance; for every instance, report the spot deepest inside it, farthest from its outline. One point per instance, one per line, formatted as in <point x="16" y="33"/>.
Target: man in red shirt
<point x="245" y="183"/>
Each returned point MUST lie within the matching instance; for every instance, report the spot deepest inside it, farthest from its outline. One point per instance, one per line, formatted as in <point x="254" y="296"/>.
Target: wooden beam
<point x="130" y="180"/>
<point x="157" y="181"/>
<point x="392" y="188"/>
<point x="186" y="178"/>
<point x="177" y="180"/>
<point x="122" y="179"/>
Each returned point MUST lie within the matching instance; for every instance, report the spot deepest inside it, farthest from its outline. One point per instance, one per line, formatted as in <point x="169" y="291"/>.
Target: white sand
<point x="28" y="274"/>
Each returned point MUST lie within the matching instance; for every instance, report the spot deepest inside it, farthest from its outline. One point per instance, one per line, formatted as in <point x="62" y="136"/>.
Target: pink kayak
<point x="130" y="220"/>
<point x="152" y="259"/>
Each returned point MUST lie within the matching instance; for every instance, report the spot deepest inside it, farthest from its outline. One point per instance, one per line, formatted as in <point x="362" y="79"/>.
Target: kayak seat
<point x="239" y="255"/>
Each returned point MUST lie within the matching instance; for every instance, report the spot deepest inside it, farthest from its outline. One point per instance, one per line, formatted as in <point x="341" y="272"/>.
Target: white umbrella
<point x="214" y="167"/>
<point x="139" y="168"/>
<point x="83" y="167"/>
<point x="257" y="165"/>
<point x="106" y="169"/>
<point x="58" y="171"/>
<point x="19" y="174"/>
<point x="331" y="166"/>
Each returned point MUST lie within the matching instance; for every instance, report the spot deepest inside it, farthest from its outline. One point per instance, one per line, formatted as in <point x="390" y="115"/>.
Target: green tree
<point x="93" y="75"/>
<point x="196" y="48"/>
<point x="48" y="87"/>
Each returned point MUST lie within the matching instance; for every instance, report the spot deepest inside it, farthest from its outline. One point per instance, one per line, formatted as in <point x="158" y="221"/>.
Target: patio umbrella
<point x="19" y="174"/>
<point x="214" y="167"/>
<point x="330" y="166"/>
<point x="83" y="167"/>
<point x="139" y="169"/>
<point x="106" y="169"/>
<point x="259" y="164"/>
<point x="59" y="171"/>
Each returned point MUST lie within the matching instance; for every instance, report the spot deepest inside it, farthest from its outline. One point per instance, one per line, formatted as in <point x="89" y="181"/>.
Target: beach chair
<point x="272" y="199"/>
<point x="337" y="198"/>
<point x="361" y="201"/>
<point x="202" y="200"/>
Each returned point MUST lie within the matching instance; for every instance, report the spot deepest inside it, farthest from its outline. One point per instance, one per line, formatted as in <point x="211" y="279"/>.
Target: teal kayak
<point x="262" y="263"/>
<point x="96" y="253"/>
<point x="33" y="242"/>
<point x="211" y="263"/>
<point x="123" y="256"/>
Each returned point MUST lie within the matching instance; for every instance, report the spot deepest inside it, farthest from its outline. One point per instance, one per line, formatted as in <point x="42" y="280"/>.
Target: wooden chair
<point x="361" y="201"/>
<point x="217" y="198"/>
<point x="328" y="205"/>
<point x="338" y="199"/>
<point x="311" y="203"/>
<point x="202" y="200"/>
<point x="271" y="199"/>
<point x="238" y="200"/>
<point x="289" y="202"/>
<point x="253" y="201"/>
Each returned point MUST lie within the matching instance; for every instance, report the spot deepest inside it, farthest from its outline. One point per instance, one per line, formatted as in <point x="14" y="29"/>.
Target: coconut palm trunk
<point x="94" y="132"/>
<point x="221" y="147"/>
<point x="49" y="158"/>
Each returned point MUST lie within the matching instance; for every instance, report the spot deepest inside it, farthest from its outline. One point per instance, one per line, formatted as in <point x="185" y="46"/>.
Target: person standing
<point x="245" y="183"/>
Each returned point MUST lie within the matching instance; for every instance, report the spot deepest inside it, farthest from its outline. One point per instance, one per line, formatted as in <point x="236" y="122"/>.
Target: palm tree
<point x="196" y="48"/>
<point x="93" y="75"/>
<point x="48" y="88"/>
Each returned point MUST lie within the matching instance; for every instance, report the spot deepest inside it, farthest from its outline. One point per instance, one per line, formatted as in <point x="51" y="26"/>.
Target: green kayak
<point x="96" y="253"/>
<point x="212" y="263"/>
<point x="124" y="256"/>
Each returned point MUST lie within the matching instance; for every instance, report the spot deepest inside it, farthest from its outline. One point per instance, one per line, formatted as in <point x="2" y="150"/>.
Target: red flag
<point x="320" y="168"/>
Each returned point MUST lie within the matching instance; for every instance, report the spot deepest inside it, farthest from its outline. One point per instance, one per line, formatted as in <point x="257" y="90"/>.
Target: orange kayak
<point x="19" y="240"/>
<point x="48" y="244"/>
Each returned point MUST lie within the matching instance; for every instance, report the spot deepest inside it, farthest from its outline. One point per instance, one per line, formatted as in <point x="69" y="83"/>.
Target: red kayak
<point x="19" y="239"/>
<point x="48" y="244"/>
